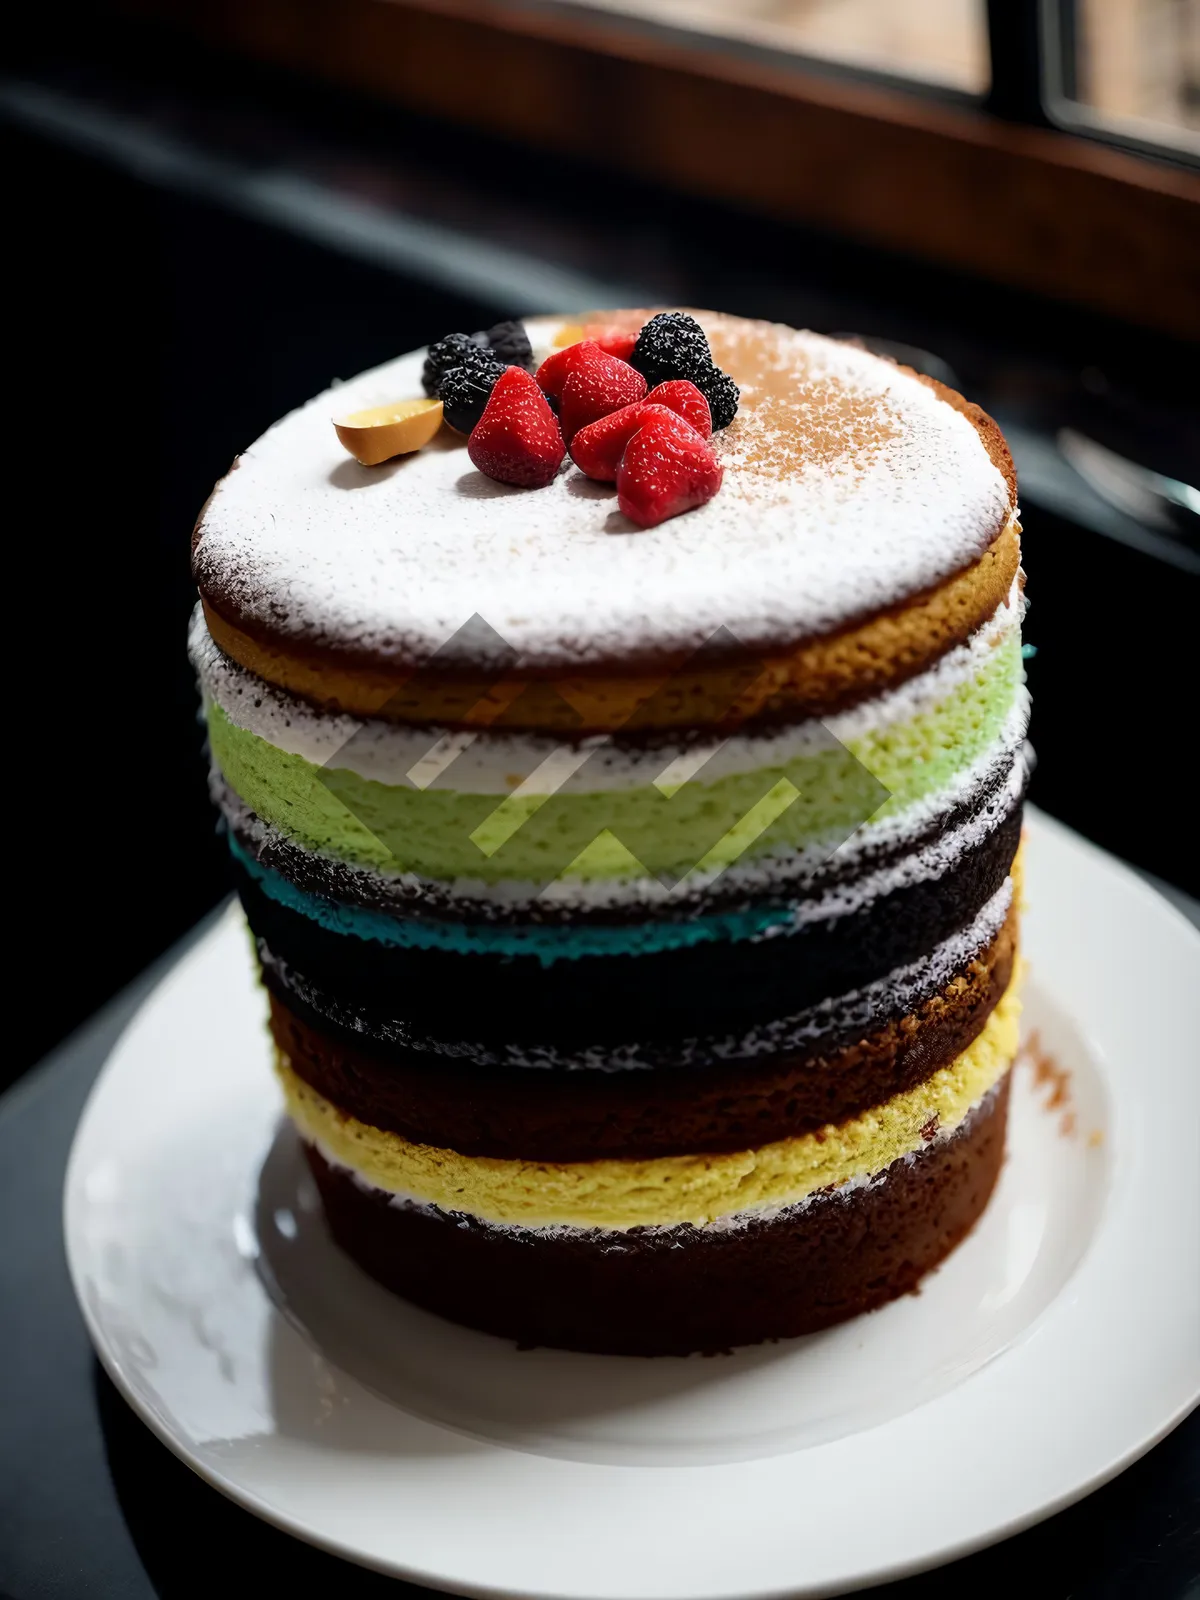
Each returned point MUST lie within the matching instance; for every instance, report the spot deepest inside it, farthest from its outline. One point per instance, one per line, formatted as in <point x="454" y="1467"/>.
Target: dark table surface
<point x="91" y="1504"/>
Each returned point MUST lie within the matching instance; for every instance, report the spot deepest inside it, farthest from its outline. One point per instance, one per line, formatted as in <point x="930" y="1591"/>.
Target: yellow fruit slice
<point x="386" y="431"/>
<point x="569" y="333"/>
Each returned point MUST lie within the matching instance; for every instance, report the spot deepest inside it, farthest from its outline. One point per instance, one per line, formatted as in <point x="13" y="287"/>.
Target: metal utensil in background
<point x="1159" y="502"/>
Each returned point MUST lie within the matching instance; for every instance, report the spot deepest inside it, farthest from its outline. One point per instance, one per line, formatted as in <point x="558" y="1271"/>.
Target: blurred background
<point x="216" y="208"/>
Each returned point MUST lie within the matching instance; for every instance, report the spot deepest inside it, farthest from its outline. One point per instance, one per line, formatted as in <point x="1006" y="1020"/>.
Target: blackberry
<point x="444" y="354"/>
<point x="671" y="345"/>
<point x="510" y="344"/>
<point x="467" y="388"/>
<point x="722" y="394"/>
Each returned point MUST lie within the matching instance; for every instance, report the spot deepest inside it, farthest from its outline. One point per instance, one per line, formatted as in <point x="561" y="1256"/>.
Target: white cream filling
<point x="495" y="762"/>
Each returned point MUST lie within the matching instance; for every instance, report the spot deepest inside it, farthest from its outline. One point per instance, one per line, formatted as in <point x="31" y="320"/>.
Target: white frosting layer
<point x="393" y="560"/>
<point x="482" y="762"/>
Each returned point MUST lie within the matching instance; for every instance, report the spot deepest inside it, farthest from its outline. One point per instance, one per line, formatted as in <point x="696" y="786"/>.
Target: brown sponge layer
<point x="545" y="1115"/>
<point x="678" y="1290"/>
<point x="811" y="679"/>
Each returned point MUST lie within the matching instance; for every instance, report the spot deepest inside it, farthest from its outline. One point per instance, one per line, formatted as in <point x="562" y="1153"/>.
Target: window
<point x="940" y="130"/>
<point x="1127" y="71"/>
<point x="1132" y="67"/>
<point x="941" y="42"/>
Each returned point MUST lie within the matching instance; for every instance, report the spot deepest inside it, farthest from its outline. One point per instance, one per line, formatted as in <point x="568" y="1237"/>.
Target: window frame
<point x="703" y="41"/>
<point x="994" y="189"/>
<point x="1058" y="36"/>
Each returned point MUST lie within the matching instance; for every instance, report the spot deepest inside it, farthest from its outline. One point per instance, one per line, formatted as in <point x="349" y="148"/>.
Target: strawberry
<point x="598" y="448"/>
<point x="595" y="386"/>
<point x="552" y="373"/>
<point x="612" y="341"/>
<point x="517" y="439"/>
<point x="680" y="396"/>
<point x="667" y="468"/>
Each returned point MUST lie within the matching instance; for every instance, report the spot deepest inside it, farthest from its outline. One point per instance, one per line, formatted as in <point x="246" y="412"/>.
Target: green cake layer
<point x="440" y="834"/>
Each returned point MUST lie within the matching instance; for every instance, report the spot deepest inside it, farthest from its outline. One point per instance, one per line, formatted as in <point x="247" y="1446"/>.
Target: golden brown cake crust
<point x="815" y="679"/>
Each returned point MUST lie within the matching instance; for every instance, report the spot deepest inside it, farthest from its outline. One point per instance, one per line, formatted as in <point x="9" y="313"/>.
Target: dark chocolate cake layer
<point x="712" y="987"/>
<point x="582" y="1116"/>
<point x="678" y="1290"/>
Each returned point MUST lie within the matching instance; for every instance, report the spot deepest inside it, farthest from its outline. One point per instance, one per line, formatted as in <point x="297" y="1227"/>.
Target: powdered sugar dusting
<point x="795" y="413"/>
<point x="849" y="485"/>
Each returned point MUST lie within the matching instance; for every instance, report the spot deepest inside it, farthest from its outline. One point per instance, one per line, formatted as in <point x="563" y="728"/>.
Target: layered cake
<point x="636" y="899"/>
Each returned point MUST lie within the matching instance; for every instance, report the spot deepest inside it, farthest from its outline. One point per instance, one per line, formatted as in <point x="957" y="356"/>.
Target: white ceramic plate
<point x="1061" y="1341"/>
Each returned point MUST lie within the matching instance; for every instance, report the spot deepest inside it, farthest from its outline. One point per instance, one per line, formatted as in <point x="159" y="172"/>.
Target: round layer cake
<point x="637" y="907"/>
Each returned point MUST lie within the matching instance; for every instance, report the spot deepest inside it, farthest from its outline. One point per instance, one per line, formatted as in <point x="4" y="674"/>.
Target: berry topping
<point x="671" y="345"/>
<point x="509" y="343"/>
<point x="466" y="388"/>
<point x="598" y="448"/>
<point x="552" y="373"/>
<point x="446" y="353"/>
<point x="686" y="401"/>
<point x="595" y="386"/>
<point x="613" y="341"/>
<point x="667" y="468"/>
<point x="517" y="440"/>
<point x="722" y="394"/>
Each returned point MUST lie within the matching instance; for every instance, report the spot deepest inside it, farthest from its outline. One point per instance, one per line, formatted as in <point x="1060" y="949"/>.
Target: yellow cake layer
<point x="670" y="1189"/>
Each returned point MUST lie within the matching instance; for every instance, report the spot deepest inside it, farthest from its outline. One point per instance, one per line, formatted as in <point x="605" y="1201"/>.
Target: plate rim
<point x="880" y="1571"/>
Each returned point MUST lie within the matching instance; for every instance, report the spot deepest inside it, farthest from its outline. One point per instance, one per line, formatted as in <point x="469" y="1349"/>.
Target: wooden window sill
<point x="1036" y="209"/>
